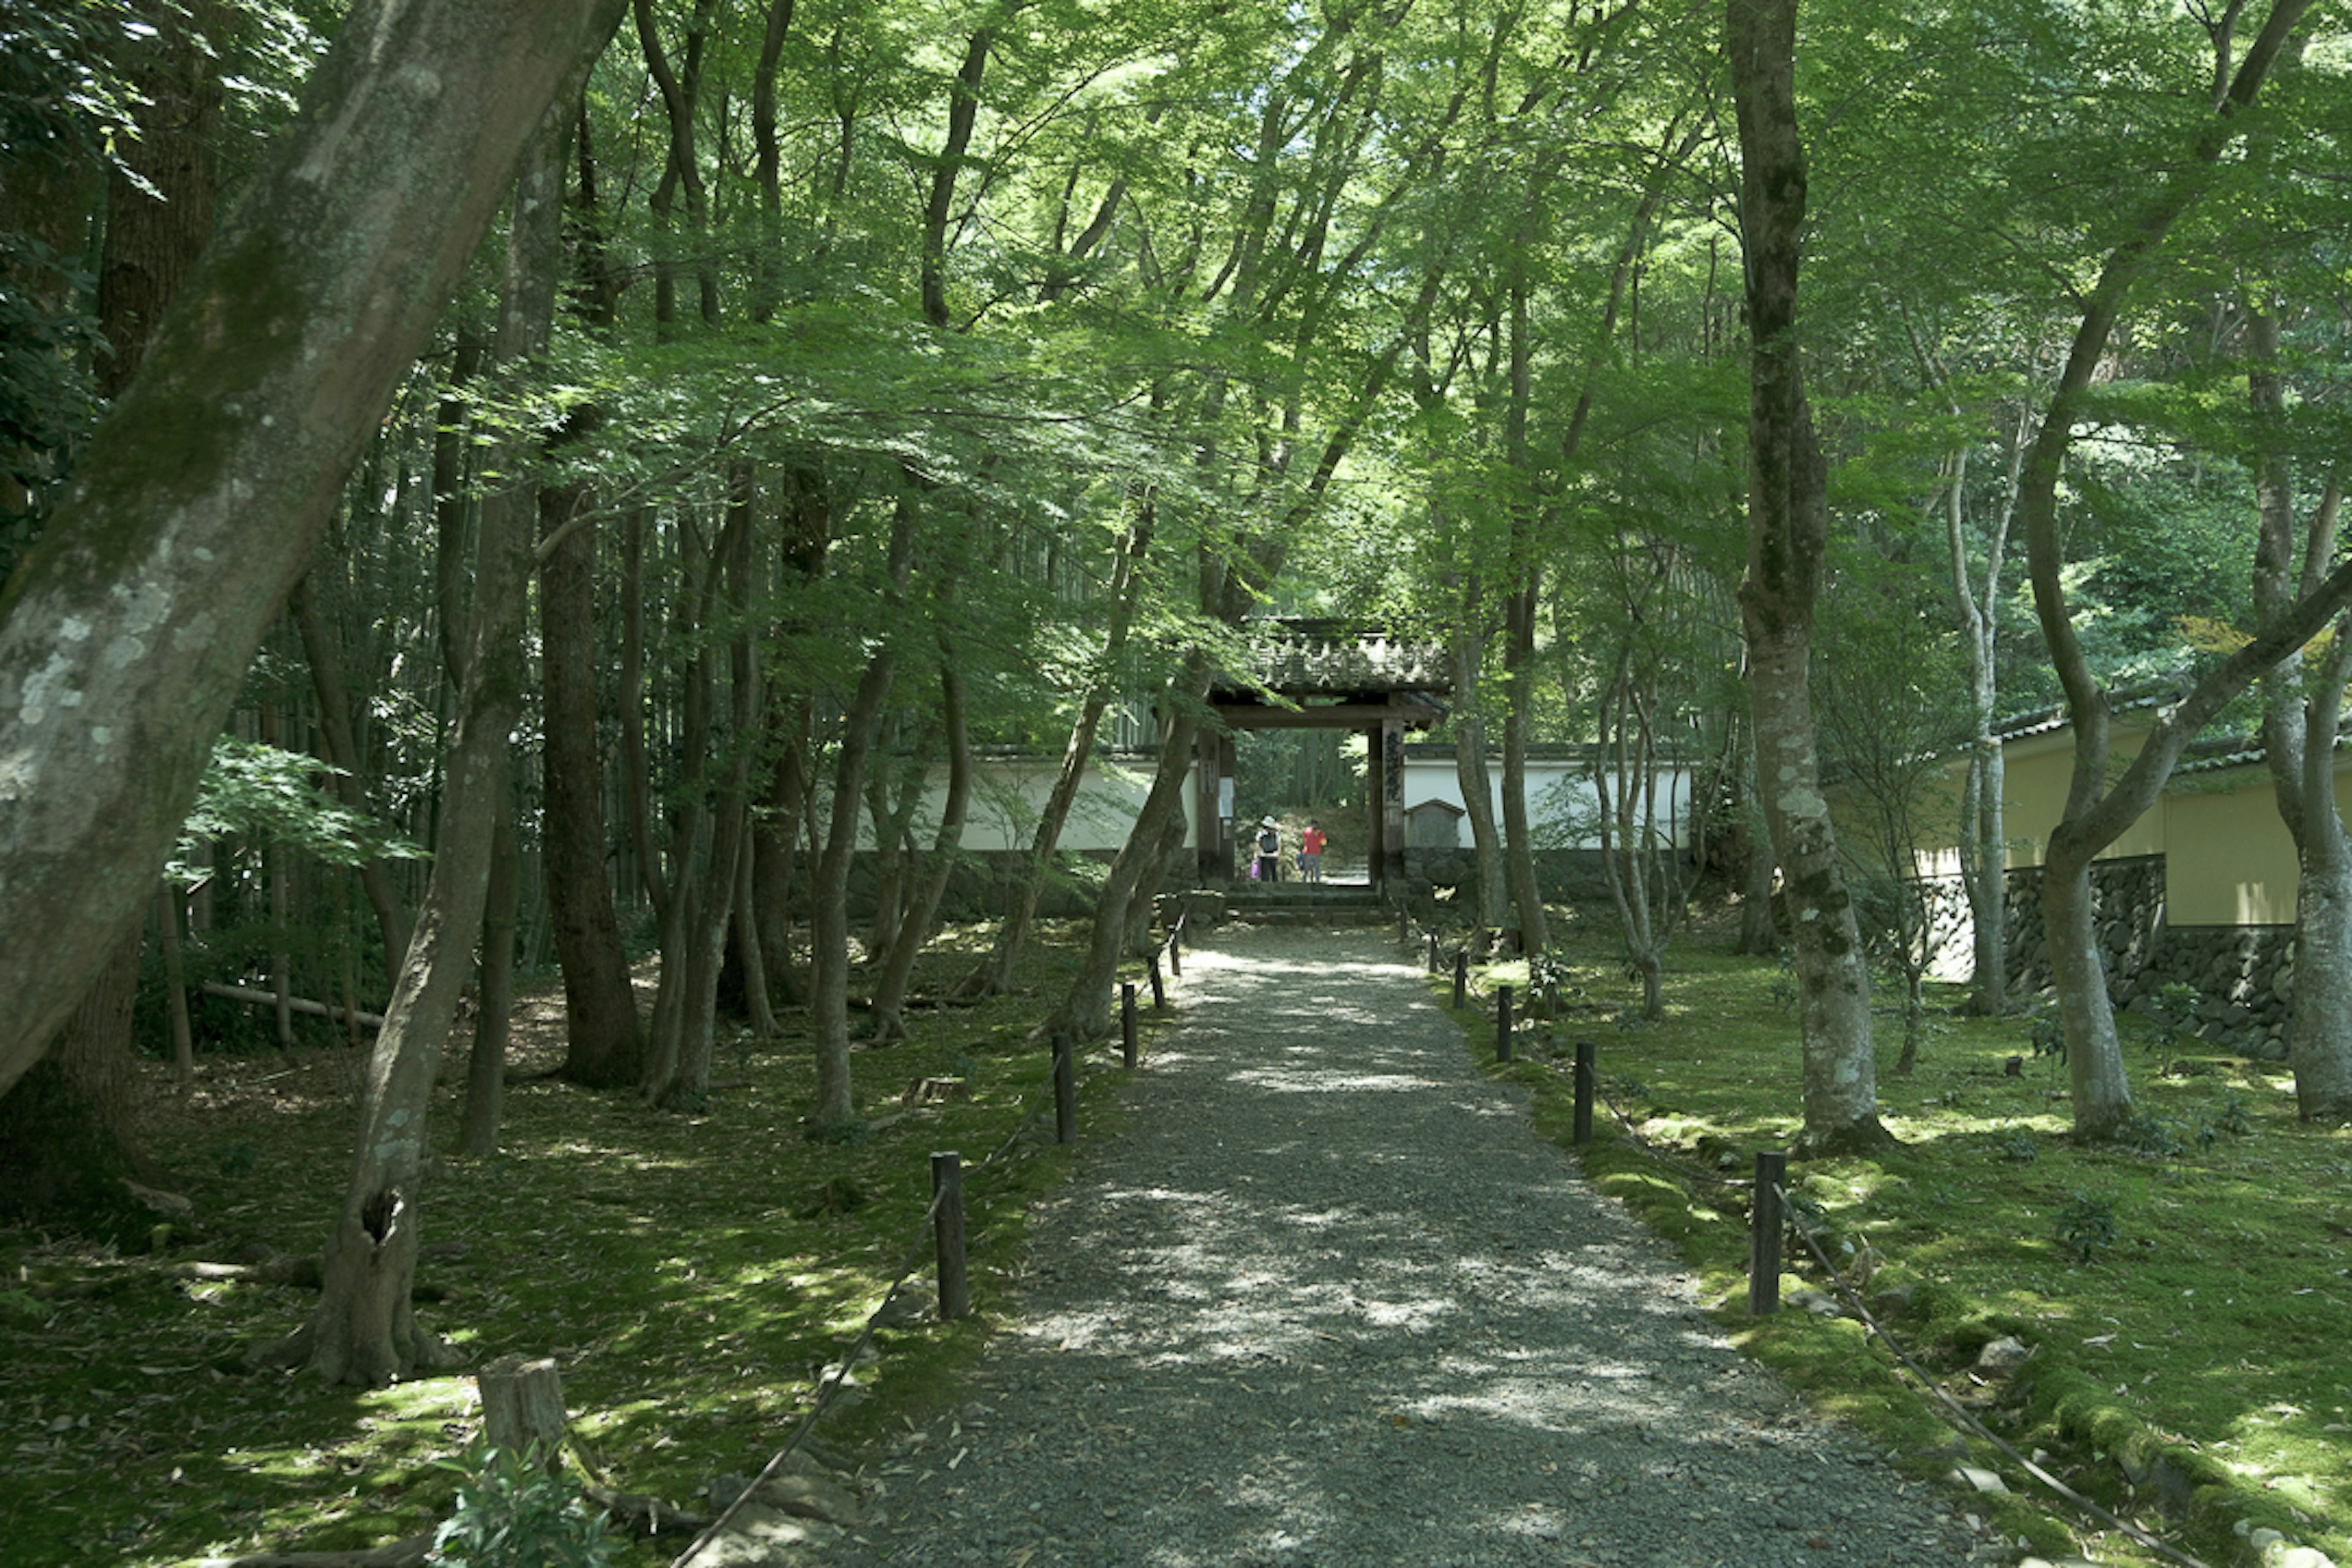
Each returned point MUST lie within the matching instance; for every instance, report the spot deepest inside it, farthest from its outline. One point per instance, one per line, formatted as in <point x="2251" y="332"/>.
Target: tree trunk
<point x="829" y="896"/>
<point x="364" y="1330"/>
<point x="604" y="1036"/>
<point x="775" y="842"/>
<point x="63" y="1152"/>
<point x="2302" y="714"/>
<point x="1984" y="872"/>
<point x="1759" y="931"/>
<point x="637" y="761"/>
<point x="1470" y="771"/>
<point x="64" y="1147"/>
<point x="1085" y="1012"/>
<point x="748" y="947"/>
<point x="995" y="977"/>
<point x="202" y="493"/>
<point x="485" y="1070"/>
<point x="931" y="878"/>
<point x="1787" y="542"/>
<point x="2099" y="809"/>
<point x="707" y="846"/>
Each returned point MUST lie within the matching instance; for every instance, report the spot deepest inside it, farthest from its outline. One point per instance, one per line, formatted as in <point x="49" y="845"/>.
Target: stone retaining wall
<point x="2244" y="975"/>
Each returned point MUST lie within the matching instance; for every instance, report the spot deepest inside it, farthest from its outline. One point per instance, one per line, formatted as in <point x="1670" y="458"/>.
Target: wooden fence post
<point x="947" y="1228"/>
<point x="1502" y="1023"/>
<point x="1126" y="1022"/>
<point x="1158" y="991"/>
<point x="1176" y="953"/>
<point x="1585" y="1076"/>
<point x="1433" y="959"/>
<point x="1066" y="1091"/>
<point x="1764" y="1235"/>
<point x="1460" y="976"/>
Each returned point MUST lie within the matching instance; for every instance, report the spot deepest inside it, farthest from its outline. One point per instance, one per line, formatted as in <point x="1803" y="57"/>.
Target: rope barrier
<point x="1966" y="1420"/>
<point x="836" y="1377"/>
<point x="827" y="1387"/>
<point x="1956" y="1413"/>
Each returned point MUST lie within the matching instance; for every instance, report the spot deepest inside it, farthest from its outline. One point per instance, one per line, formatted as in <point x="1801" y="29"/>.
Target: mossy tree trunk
<point x="126" y="632"/>
<point x="2302" y="713"/>
<point x="1787" y="529"/>
<point x="63" y="1132"/>
<point x="364" y="1330"/>
<point x="2100" y="806"/>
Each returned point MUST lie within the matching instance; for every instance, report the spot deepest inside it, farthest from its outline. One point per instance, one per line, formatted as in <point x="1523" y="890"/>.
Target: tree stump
<point x="522" y="1404"/>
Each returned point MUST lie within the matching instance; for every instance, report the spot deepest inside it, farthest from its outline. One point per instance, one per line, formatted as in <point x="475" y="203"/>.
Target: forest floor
<point x="2183" y="1301"/>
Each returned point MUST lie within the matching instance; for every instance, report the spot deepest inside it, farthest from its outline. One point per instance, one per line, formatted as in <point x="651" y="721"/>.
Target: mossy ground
<point x="2185" y="1300"/>
<point x="691" y="1275"/>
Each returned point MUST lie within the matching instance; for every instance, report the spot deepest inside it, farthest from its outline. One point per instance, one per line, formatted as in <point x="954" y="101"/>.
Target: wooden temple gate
<point x="1320" y="674"/>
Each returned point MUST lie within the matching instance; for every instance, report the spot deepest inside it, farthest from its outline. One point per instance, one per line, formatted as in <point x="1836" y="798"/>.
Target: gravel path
<point x="1327" y="1302"/>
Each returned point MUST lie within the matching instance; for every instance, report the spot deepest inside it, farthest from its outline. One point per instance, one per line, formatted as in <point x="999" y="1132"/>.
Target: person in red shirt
<point x="1310" y="851"/>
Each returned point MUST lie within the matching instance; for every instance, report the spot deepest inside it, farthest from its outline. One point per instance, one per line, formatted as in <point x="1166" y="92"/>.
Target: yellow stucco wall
<point x="2228" y="859"/>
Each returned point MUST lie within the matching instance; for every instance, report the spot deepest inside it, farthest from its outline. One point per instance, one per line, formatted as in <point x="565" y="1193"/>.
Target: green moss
<point x="2187" y="1376"/>
<point x="236" y="327"/>
<point x="676" y="1269"/>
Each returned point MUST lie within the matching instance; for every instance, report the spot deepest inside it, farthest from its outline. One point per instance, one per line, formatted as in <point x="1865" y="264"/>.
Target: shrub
<point x="512" y="1512"/>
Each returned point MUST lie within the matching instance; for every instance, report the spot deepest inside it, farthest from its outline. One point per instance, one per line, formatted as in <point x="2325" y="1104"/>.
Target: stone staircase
<point x="1292" y="903"/>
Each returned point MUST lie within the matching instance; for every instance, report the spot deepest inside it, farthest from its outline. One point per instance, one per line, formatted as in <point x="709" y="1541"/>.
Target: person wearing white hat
<point x="1269" y="850"/>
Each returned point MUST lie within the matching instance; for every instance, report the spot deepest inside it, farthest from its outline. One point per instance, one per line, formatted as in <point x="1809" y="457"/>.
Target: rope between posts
<point x="1965" y="1419"/>
<point x="1953" y="1410"/>
<point x="828" y="1386"/>
<point x="837" y="1375"/>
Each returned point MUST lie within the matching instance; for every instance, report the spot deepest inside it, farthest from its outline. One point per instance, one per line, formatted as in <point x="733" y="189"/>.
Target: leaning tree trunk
<point x="1085" y="1012"/>
<point x="195" y="509"/>
<point x="64" y="1140"/>
<point x="2100" y="808"/>
<point x="995" y="977"/>
<point x="364" y="1330"/>
<point x="1787" y="529"/>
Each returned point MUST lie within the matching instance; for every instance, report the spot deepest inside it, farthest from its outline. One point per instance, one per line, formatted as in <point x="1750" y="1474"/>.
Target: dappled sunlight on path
<point x="1327" y="1301"/>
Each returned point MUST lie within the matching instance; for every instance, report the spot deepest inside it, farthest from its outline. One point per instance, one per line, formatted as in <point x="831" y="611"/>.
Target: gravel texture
<point x="1327" y="1302"/>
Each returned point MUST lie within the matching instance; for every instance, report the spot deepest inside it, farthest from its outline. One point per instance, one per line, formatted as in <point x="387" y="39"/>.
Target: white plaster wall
<point x="1009" y="793"/>
<point x="1561" y="797"/>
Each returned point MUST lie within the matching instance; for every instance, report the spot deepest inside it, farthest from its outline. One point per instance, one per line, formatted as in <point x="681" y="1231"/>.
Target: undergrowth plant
<point x="514" y="1512"/>
<point x="2085" y="1226"/>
